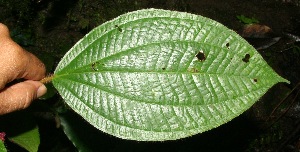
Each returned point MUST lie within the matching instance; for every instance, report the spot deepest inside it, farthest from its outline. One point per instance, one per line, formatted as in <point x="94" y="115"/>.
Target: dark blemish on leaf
<point x="227" y="45"/>
<point x="94" y="66"/>
<point x="200" y="56"/>
<point x="246" y="58"/>
<point x="255" y="80"/>
<point x="118" y="28"/>
<point x="163" y="68"/>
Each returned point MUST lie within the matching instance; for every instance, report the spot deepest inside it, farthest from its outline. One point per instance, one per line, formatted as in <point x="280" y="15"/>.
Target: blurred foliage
<point x="246" y="20"/>
<point x="22" y="37"/>
<point x="21" y="128"/>
<point x="267" y="140"/>
<point x="21" y="10"/>
<point x="2" y="146"/>
<point x="296" y="50"/>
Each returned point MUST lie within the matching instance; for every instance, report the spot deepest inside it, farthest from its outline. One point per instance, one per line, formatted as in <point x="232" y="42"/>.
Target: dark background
<point x="49" y="28"/>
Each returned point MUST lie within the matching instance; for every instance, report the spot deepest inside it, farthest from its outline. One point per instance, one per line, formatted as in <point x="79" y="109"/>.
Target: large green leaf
<point x="161" y="75"/>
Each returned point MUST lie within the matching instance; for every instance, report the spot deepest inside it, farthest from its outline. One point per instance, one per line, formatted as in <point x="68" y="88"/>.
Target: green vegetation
<point x="49" y="31"/>
<point x="104" y="73"/>
<point x="246" y="20"/>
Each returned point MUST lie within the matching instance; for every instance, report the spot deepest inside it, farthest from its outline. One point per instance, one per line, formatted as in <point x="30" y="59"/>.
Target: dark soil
<point x="49" y="28"/>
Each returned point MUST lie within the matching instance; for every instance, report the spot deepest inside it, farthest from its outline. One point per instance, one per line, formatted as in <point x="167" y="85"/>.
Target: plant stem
<point x="47" y="79"/>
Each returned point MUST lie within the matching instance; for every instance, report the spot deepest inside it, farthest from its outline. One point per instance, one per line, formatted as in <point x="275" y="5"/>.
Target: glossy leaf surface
<point x="161" y="75"/>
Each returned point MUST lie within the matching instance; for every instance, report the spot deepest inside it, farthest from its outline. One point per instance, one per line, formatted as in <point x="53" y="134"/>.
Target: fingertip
<point x="41" y="91"/>
<point x="4" y="30"/>
<point x="19" y="96"/>
<point x="39" y="88"/>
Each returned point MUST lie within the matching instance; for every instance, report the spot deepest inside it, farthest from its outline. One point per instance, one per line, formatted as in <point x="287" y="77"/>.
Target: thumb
<point x="20" y="95"/>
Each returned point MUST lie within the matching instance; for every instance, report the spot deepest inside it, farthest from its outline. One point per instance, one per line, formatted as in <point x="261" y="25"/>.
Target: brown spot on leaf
<point x="200" y="56"/>
<point x="163" y="68"/>
<point x="193" y="70"/>
<point x="94" y="66"/>
<point x="255" y="80"/>
<point x="246" y="58"/>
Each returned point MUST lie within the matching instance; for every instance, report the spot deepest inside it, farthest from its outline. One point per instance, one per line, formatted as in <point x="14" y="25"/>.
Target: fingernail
<point x="41" y="91"/>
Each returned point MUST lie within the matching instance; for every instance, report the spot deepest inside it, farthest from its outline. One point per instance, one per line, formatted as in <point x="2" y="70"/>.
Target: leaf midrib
<point x="121" y="95"/>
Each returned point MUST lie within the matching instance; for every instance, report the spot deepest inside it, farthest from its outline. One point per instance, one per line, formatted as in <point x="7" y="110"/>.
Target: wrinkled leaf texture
<point x="154" y="75"/>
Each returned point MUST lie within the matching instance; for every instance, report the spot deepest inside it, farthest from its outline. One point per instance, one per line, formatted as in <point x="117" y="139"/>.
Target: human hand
<point x="17" y="63"/>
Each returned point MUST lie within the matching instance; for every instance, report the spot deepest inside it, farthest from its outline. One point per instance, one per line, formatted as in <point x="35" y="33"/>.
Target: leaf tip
<point x="286" y="81"/>
<point x="281" y="79"/>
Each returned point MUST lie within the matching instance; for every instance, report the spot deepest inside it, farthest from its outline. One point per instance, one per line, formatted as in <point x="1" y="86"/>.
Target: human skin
<point x="16" y="63"/>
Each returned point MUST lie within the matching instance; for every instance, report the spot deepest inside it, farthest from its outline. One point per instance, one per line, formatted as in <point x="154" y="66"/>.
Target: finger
<point x="4" y="30"/>
<point x="16" y="62"/>
<point x="34" y="69"/>
<point x="20" y="95"/>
